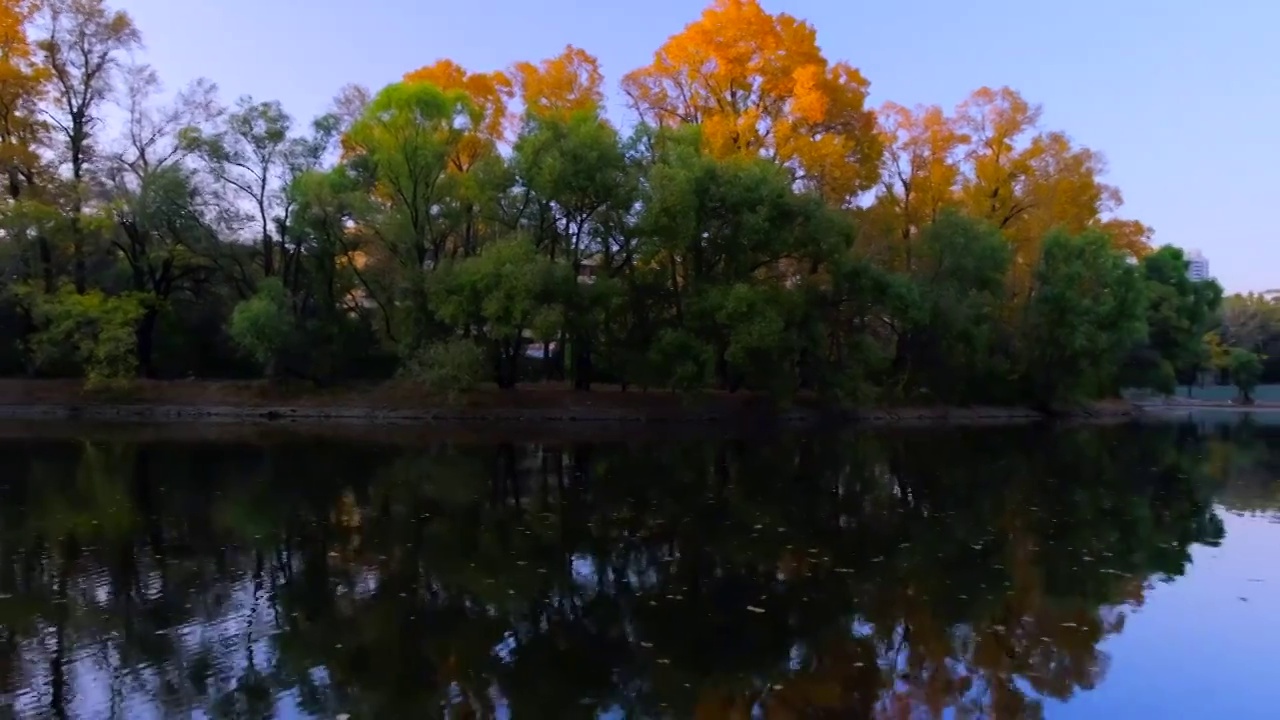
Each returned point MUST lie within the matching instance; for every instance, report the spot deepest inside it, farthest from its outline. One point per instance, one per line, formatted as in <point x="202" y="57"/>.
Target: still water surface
<point x="1086" y="572"/>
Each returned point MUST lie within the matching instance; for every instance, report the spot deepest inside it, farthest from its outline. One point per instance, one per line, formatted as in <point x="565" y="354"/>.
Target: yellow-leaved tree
<point x="991" y="160"/>
<point x="562" y="85"/>
<point x="921" y="170"/>
<point x="22" y="81"/>
<point x="758" y="83"/>
<point x="1027" y="181"/>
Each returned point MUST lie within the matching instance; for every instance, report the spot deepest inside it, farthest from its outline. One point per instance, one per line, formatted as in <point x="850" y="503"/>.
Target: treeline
<point x="755" y="226"/>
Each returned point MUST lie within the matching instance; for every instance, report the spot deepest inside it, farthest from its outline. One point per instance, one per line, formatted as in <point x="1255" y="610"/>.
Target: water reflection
<point x="902" y="574"/>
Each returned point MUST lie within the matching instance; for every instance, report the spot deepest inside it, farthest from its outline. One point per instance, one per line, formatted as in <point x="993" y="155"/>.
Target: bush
<point x="96" y="331"/>
<point x="263" y="326"/>
<point x="448" y="367"/>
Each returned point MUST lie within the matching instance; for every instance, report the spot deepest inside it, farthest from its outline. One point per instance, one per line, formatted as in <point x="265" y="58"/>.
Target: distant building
<point x="1197" y="266"/>
<point x="589" y="269"/>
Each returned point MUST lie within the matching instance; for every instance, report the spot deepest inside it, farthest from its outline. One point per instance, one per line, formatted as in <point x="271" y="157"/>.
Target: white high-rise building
<point x="1197" y="266"/>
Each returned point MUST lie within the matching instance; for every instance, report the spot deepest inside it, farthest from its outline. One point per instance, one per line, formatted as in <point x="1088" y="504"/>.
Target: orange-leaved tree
<point x="758" y="83"/>
<point x="560" y="86"/>
<point x="22" y="81"/>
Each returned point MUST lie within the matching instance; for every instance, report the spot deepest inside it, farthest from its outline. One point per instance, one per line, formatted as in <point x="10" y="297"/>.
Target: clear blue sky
<point x="1182" y="96"/>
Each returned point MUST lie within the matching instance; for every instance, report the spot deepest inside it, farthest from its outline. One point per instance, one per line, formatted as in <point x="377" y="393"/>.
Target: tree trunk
<point x="582" y="364"/>
<point x="722" y="369"/>
<point x="268" y="255"/>
<point x="46" y="262"/>
<point x="506" y="367"/>
<point x="146" y="342"/>
<point x="78" y="138"/>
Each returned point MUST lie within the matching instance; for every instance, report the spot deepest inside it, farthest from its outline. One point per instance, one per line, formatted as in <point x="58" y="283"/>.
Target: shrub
<point x="96" y="331"/>
<point x="448" y="367"/>
<point x="263" y="326"/>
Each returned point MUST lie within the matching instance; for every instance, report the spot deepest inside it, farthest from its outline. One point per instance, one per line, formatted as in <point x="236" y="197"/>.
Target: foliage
<point x="503" y="295"/>
<point x="1180" y="314"/>
<point x="1214" y="354"/>
<point x="1252" y="321"/>
<point x="448" y="367"/>
<point x="1246" y="372"/>
<point x="949" y="345"/>
<point x="1084" y="316"/>
<point x="263" y="326"/>
<point x="758" y="84"/>
<point x="564" y="85"/>
<point x="95" y="331"/>
<point x="1179" y="310"/>
<point x="723" y="242"/>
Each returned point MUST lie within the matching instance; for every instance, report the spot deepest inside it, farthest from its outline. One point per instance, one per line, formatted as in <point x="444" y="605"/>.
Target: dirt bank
<point x="162" y="401"/>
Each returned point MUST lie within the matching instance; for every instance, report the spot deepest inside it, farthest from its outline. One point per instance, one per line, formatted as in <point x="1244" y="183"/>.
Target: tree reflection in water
<point x="896" y="574"/>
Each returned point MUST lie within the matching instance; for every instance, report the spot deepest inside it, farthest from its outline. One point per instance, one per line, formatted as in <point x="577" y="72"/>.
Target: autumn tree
<point x="563" y="85"/>
<point x="1027" y="181"/>
<point x="21" y="87"/>
<point x="758" y="84"/>
<point x="83" y="45"/>
<point x="999" y="124"/>
<point x="921" y="172"/>
<point x="22" y="133"/>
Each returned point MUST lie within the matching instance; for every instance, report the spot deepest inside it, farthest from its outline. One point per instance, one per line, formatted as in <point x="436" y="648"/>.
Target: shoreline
<point x="255" y="402"/>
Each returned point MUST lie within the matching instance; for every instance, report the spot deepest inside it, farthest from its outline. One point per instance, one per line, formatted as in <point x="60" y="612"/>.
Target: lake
<point x="1124" y="571"/>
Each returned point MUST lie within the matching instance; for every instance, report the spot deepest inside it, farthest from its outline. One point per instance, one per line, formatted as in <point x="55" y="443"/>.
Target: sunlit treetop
<point x="562" y="85"/>
<point x="490" y="95"/>
<point x="1028" y="181"/>
<point x="992" y="160"/>
<point x="923" y="149"/>
<point x="758" y="83"/>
